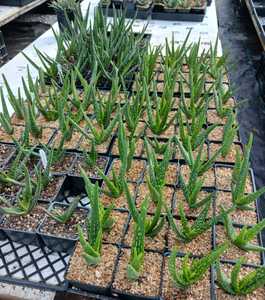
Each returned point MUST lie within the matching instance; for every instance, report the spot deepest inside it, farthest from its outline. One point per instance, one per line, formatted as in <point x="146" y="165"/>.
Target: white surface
<point x="9" y="13"/>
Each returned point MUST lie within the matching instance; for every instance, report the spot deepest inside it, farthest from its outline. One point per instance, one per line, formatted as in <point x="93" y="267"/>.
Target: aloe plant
<point x="91" y="156"/>
<point x="64" y="216"/>
<point x="190" y="272"/>
<point x="157" y="168"/>
<point x="98" y="221"/>
<point x="16" y="102"/>
<point x="198" y="165"/>
<point x="154" y="224"/>
<point x="243" y="239"/>
<point x="126" y="145"/>
<point x="186" y="231"/>
<point x="159" y="108"/>
<point x="27" y="199"/>
<point x="194" y="130"/>
<point x="239" y="179"/>
<point x="16" y="171"/>
<point x="191" y="190"/>
<point x="221" y="97"/>
<point x="136" y="261"/>
<point x="229" y="133"/>
<point x="147" y="69"/>
<point x="133" y="110"/>
<point x="215" y="62"/>
<point x="240" y="286"/>
<point x="105" y="106"/>
<point x="101" y="134"/>
<point x="5" y="119"/>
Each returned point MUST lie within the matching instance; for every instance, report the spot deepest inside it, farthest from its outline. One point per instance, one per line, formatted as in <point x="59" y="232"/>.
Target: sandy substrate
<point x="149" y="281"/>
<point x="198" y="291"/>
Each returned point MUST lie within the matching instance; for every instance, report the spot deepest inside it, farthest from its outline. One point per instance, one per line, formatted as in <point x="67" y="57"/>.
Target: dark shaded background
<point x="240" y="42"/>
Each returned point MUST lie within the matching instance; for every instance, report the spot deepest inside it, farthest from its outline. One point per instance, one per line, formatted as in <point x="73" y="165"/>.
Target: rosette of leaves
<point x="157" y="168"/>
<point x="159" y="108"/>
<point x="137" y="250"/>
<point x="199" y="164"/>
<point x="239" y="179"/>
<point x="240" y="286"/>
<point x="98" y="221"/>
<point x="230" y="132"/>
<point x="28" y="198"/>
<point x="243" y="239"/>
<point x="192" y="270"/>
<point x="126" y="146"/>
<point x="154" y="224"/>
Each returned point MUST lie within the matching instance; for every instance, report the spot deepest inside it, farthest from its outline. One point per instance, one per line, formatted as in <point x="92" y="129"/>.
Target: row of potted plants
<point x="176" y="10"/>
<point x="163" y="191"/>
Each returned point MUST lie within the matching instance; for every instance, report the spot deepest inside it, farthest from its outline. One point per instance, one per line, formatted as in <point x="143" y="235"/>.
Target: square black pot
<point x="53" y="242"/>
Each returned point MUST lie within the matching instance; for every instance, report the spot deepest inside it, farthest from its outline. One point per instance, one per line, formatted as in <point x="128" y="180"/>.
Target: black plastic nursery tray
<point x="15" y="2"/>
<point x="156" y="12"/>
<point x="257" y="12"/>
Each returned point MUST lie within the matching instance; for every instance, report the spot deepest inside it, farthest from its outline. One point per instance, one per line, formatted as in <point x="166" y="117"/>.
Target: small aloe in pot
<point x="240" y="286"/>
<point x="243" y="239"/>
<point x="98" y="221"/>
<point x="190" y="272"/>
<point x="239" y="180"/>
<point x="137" y="250"/>
<point x="28" y="198"/>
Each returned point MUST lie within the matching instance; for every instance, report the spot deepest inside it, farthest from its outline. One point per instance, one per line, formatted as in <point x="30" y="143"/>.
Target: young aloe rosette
<point x="239" y="285"/>
<point x="137" y="250"/>
<point x="98" y="221"/>
<point x="192" y="270"/>
<point x="243" y="239"/>
<point x="239" y="180"/>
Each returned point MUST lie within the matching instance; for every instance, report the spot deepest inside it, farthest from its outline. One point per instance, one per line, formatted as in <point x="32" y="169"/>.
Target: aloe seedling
<point x="147" y="69"/>
<point x="17" y="103"/>
<point x="220" y="98"/>
<point x="199" y="165"/>
<point x="158" y="118"/>
<point x="101" y="134"/>
<point x="229" y="134"/>
<point x="98" y="221"/>
<point x="194" y="130"/>
<point x="216" y="64"/>
<point x="243" y="239"/>
<point x="133" y="110"/>
<point x="240" y="286"/>
<point x="16" y="171"/>
<point x="190" y="273"/>
<point x="137" y="250"/>
<point x="106" y="105"/>
<point x="65" y="216"/>
<point x="154" y="224"/>
<point x="191" y="190"/>
<point x="30" y="119"/>
<point x="5" y="119"/>
<point x="126" y="146"/>
<point x="186" y="231"/>
<point x="239" y="179"/>
<point x="28" y="198"/>
<point x="91" y="156"/>
<point x="157" y="169"/>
